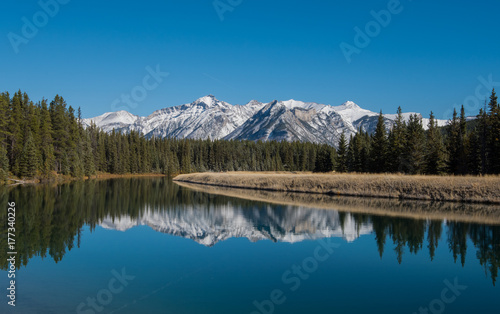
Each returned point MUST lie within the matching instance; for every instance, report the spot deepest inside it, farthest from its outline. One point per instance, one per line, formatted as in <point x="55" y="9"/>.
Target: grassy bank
<point x="436" y="188"/>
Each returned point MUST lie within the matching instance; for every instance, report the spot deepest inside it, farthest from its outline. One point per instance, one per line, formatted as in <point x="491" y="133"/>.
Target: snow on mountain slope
<point x="290" y="120"/>
<point x="293" y="121"/>
<point x="219" y="223"/>
<point x="113" y="120"/>
<point x="352" y="112"/>
<point x="203" y="118"/>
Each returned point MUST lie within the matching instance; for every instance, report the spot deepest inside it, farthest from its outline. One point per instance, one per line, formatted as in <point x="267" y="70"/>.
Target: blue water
<point x="285" y="267"/>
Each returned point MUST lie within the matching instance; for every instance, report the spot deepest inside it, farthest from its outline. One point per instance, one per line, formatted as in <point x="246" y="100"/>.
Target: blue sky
<point x="431" y="55"/>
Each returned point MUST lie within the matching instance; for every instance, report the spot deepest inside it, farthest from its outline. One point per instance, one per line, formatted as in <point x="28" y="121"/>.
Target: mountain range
<point x="208" y="226"/>
<point x="290" y="120"/>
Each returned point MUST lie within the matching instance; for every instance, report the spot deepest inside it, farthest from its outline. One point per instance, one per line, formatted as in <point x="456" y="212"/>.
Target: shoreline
<point x="60" y="179"/>
<point x="458" y="189"/>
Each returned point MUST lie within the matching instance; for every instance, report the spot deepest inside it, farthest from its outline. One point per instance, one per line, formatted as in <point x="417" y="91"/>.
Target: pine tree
<point x="4" y="163"/>
<point x="29" y="161"/>
<point x="474" y="164"/>
<point x="88" y="157"/>
<point x="453" y="140"/>
<point x="60" y="133"/>
<point x="379" y="149"/>
<point x="186" y="157"/>
<point x="415" y="146"/>
<point x="397" y="143"/>
<point x="4" y="117"/>
<point x="435" y="162"/>
<point x="16" y="126"/>
<point x="462" y="143"/>
<point x="341" y="160"/>
<point x="46" y="145"/>
<point x="494" y="134"/>
<point x="324" y="162"/>
<point x="483" y="139"/>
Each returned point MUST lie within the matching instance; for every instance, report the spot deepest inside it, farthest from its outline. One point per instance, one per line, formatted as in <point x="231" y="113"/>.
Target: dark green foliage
<point x="494" y="134"/>
<point x="414" y="149"/>
<point x="29" y="161"/>
<point x="380" y="147"/>
<point x="397" y="143"/>
<point x="341" y="160"/>
<point x="435" y="159"/>
<point x="324" y="159"/>
<point x="51" y="139"/>
<point x="456" y="143"/>
<point x="4" y="164"/>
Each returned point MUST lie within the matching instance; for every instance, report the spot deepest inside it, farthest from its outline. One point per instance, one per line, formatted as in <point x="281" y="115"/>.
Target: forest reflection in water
<point x="50" y="218"/>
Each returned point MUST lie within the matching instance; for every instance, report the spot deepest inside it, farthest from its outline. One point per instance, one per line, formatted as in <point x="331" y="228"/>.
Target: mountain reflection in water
<point x="49" y="220"/>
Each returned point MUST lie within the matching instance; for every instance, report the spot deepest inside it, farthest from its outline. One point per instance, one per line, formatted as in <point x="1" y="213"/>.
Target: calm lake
<point x="147" y="245"/>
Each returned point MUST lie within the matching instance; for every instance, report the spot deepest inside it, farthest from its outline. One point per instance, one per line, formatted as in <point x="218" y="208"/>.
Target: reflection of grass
<point x="477" y="213"/>
<point x="472" y="189"/>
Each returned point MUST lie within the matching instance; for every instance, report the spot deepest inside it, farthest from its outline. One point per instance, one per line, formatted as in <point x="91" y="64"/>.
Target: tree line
<point x="461" y="147"/>
<point x="42" y="140"/>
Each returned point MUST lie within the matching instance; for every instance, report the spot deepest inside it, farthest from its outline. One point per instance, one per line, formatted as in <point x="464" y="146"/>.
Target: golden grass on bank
<point x="473" y="189"/>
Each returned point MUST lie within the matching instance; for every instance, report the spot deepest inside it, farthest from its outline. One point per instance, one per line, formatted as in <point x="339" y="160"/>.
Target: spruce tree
<point x="474" y="163"/>
<point x="60" y="133"/>
<point x="462" y="143"/>
<point x="435" y="162"/>
<point x="46" y="145"/>
<point x="482" y="130"/>
<point x="453" y="140"/>
<point x="4" y="117"/>
<point x="324" y="161"/>
<point x="494" y="134"/>
<point x="341" y="160"/>
<point x="379" y="149"/>
<point x="88" y="157"/>
<point x="415" y="146"/>
<point x="16" y="137"/>
<point x="397" y="143"/>
<point x="28" y="162"/>
<point x="4" y="163"/>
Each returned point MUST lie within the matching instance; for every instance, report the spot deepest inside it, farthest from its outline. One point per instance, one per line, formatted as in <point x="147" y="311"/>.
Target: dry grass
<point x="437" y="188"/>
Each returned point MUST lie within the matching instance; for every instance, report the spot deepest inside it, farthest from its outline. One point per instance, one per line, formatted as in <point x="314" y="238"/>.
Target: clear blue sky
<point x="429" y="56"/>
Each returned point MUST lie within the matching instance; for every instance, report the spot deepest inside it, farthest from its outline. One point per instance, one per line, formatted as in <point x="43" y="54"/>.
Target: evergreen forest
<point x="45" y="139"/>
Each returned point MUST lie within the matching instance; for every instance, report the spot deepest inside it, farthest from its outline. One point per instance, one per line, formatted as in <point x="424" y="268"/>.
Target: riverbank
<point x="467" y="189"/>
<point x="59" y="178"/>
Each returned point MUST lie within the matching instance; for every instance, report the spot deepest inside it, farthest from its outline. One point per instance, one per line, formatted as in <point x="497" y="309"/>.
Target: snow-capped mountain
<point x="209" y="226"/>
<point x="290" y="120"/>
<point x="204" y="118"/>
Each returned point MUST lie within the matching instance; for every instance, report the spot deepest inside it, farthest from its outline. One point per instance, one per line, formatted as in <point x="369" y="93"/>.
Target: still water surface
<point x="150" y="246"/>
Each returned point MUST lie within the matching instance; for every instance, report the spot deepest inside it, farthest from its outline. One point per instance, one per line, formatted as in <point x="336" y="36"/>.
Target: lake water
<point x="150" y="246"/>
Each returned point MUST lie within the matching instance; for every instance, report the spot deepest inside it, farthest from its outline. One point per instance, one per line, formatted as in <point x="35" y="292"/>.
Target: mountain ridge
<point x="290" y="120"/>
